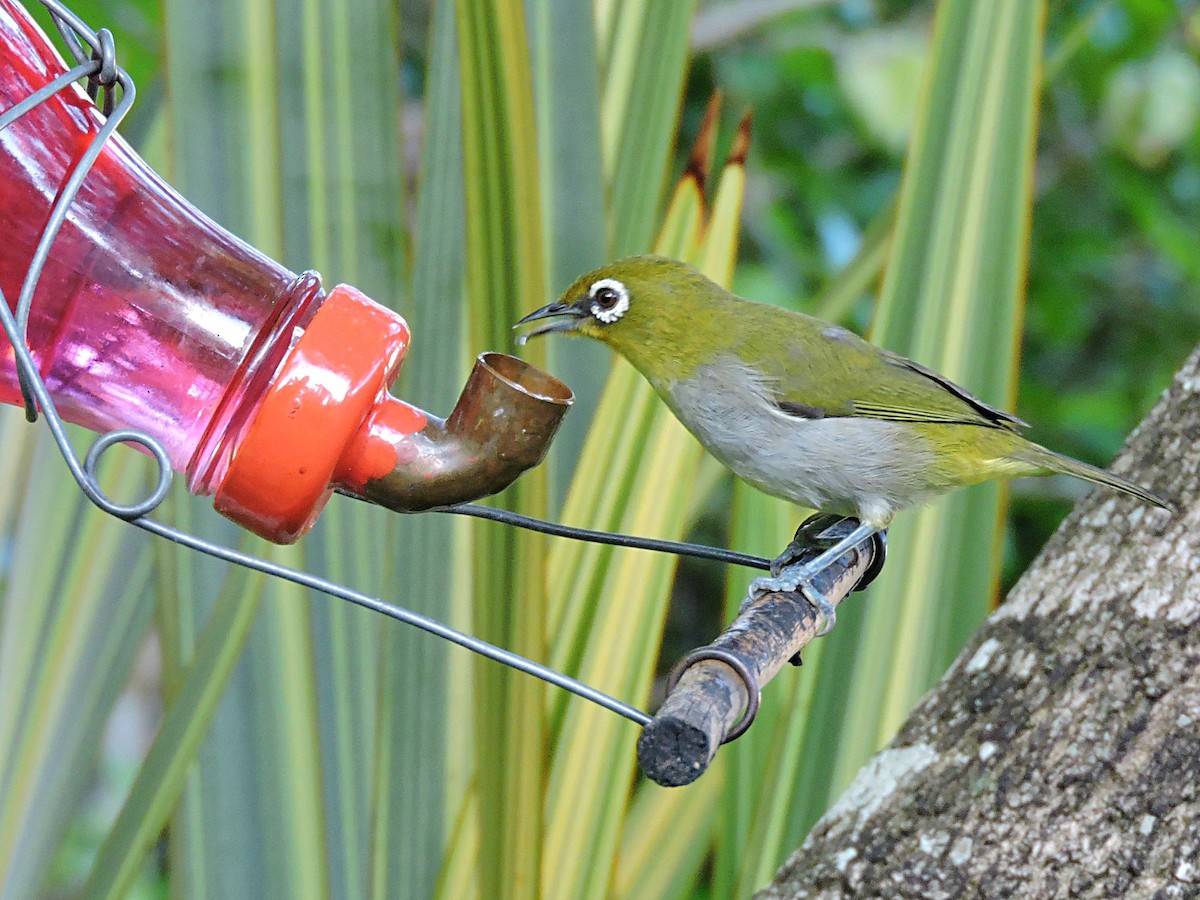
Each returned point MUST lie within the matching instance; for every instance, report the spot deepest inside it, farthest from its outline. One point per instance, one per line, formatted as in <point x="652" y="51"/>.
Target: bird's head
<point x="655" y="311"/>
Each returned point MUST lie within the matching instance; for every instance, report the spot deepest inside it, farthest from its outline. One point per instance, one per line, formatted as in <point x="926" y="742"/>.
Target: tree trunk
<point x="1060" y="754"/>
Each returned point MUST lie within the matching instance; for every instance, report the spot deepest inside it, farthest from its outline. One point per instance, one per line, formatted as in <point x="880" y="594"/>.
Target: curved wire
<point x="59" y="213"/>
<point x="400" y="614"/>
<point x="161" y="489"/>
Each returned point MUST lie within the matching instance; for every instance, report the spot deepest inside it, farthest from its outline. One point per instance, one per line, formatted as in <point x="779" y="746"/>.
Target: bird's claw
<point x="793" y="578"/>
<point x="791" y="573"/>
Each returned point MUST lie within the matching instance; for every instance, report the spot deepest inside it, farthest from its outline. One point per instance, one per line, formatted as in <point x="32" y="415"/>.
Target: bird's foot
<point x="795" y="578"/>
<point x="790" y="573"/>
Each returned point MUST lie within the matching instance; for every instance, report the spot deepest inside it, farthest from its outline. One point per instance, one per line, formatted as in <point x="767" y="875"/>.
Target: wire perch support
<point x="95" y="56"/>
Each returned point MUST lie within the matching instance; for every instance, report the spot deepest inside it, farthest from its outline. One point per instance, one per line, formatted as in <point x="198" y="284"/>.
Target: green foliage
<point x="308" y="749"/>
<point x="1111" y="304"/>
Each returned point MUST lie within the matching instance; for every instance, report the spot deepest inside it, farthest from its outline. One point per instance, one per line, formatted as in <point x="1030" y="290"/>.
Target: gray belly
<point x="869" y="468"/>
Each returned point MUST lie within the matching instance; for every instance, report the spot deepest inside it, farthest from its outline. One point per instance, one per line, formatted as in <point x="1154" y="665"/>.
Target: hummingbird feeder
<point x="141" y="313"/>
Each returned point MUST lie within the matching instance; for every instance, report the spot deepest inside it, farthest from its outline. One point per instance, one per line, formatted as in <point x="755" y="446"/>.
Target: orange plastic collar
<point x="327" y="420"/>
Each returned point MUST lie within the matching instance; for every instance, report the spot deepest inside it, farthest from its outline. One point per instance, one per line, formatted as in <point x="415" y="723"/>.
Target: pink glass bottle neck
<point x="148" y="315"/>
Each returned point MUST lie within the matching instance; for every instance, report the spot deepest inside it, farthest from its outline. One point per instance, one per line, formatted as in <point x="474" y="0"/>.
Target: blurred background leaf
<point x="343" y="758"/>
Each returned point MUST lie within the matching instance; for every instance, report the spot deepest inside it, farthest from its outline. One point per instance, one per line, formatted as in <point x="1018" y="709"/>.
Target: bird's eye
<point x="610" y="300"/>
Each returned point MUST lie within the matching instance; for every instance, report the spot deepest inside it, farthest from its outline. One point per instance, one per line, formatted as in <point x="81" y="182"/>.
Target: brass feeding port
<point x="328" y="423"/>
<point x="502" y="425"/>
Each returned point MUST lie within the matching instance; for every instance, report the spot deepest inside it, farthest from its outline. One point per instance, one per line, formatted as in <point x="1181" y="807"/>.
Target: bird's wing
<point x="950" y="401"/>
<point x="849" y="377"/>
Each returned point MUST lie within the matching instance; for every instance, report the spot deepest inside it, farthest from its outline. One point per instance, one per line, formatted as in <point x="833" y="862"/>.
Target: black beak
<point x="568" y="320"/>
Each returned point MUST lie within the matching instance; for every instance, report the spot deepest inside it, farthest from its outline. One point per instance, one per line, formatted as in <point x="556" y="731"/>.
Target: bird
<point x="801" y="408"/>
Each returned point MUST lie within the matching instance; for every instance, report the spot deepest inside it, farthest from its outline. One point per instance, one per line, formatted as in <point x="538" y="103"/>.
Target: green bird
<point x="800" y="408"/>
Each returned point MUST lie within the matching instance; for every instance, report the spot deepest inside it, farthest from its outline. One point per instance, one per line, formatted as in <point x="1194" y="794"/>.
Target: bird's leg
<point x="799" y="574"/>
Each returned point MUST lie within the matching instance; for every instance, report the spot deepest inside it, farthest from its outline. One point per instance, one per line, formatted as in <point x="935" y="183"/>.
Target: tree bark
<point x="1060" y="754"/>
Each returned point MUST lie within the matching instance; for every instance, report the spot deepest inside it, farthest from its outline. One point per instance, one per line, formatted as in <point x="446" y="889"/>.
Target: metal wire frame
<point x="103" y="74"/>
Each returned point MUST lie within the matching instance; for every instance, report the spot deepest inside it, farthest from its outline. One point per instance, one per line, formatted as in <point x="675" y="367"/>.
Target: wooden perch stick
<point x="716" y="694"/>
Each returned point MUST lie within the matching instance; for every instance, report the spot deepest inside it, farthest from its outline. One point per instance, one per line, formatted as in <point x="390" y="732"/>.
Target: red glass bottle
<point x="262" y="388"/>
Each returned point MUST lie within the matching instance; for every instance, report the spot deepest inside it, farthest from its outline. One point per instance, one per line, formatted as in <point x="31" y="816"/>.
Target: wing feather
<point x="989" y="413"/>
<point x="836" y="373"/>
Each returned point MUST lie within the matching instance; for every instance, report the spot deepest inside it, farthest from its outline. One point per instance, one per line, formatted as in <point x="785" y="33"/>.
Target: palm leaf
<point x="504" y="264"/>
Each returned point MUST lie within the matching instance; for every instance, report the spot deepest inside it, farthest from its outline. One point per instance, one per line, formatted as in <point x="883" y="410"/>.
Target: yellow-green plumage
<point x="800" y="408"/>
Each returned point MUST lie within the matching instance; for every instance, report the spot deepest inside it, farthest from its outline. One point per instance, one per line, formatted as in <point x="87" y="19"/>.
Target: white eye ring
<point x="615" y="302"/>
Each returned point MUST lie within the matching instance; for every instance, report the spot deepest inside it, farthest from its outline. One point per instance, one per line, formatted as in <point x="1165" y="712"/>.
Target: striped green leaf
<point x="613" y="603"/>
<point x="952" y="299"/>
<point x="308" y="169"/>
<point x="73" y="615"/>
<point x="567" y="97"/>
<point x="504" y="267"/>
<point x="642" y="49"/>
<point x="423" y="755"/>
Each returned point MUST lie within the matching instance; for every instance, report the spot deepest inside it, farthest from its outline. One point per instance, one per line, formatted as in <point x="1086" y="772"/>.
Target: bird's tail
<point x="1056" y="463"/>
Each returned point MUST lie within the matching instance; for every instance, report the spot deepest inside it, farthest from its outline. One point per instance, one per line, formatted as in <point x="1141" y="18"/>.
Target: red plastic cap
<point x="327" y="420"/>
